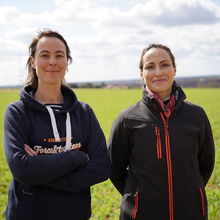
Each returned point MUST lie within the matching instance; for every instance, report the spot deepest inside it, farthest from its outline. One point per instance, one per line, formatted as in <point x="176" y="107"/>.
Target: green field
<point x="107" y="103"/>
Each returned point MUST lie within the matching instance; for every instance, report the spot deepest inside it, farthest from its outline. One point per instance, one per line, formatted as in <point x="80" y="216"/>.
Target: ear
<point x="32" y="62"/>
<point x="141" y="73"/>
<point x="142" y="76"/>
<point x="174" y="71"/>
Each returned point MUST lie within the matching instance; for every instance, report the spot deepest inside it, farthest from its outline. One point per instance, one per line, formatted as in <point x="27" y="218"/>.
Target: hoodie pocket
<point x="158" y="142"/>
<point x="202" y="201"/>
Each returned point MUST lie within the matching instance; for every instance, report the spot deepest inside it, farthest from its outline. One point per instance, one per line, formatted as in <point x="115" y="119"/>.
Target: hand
<point x="76" y="146"/>
<point x="29" y="150"/>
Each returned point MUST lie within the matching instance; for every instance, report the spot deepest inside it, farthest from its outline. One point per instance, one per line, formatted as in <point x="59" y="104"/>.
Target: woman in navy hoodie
<point x="54" y="145"/>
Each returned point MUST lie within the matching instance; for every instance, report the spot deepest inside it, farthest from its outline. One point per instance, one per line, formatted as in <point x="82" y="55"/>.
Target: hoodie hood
<point x="70" y="102"/>
<point x="70" y="99"/>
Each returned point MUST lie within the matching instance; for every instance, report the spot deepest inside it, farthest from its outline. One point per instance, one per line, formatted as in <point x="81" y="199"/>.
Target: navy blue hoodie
<point x="55" y="184"/>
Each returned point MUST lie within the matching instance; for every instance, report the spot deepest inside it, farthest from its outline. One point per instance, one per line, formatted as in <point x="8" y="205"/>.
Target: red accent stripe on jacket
<point x="135" y="206"/>
<point x="203" y="201"/>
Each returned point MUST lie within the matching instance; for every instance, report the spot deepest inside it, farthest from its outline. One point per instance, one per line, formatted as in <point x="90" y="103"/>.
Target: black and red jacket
<point x="161" y="162"/>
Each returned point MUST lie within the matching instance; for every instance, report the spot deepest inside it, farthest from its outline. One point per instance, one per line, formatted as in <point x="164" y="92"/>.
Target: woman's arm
<point x="207" y="150"/>
<point x="118" y="151"/>
<point x="36" y="169"/>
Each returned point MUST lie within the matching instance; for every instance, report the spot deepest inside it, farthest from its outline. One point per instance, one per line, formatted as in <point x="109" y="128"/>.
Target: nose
<point x="158" y="71"/>
<point x="52" y="61"/>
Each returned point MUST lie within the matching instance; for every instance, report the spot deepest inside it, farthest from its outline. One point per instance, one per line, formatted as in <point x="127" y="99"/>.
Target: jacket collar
<point x="176" y="97"/>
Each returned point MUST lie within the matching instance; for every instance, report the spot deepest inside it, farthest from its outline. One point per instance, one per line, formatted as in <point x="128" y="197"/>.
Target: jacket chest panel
<point x="147" y="140"/>
<point x="142" y="140"/>
<point x="184" y="139"/>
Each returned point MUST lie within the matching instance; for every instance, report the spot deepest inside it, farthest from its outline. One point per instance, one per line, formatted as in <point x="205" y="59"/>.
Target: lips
<point x="159" y="80"/>
<point x="52" y="71"/>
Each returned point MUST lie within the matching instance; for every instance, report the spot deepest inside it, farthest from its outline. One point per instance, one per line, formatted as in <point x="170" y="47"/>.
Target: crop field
<point x="107" y="103"/>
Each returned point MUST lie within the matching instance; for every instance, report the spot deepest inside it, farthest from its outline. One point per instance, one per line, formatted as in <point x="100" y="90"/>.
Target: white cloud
<point x="8" y="14"/>
<point x="178" y="13"/>
<point x="106" y="38"/>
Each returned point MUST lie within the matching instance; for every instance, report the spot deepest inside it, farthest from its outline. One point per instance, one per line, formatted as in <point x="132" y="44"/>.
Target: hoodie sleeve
<point x="38" y="169"/>
<point x="207" y="150"/>
<point x="98" y="167"/>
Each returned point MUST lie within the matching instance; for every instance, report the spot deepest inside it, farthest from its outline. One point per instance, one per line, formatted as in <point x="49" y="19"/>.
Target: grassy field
<point x="107" y="104"/>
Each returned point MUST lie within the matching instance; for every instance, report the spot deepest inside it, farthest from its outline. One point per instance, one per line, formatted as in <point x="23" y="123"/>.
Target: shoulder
<point x="84" y="111"/>
<point x="85" y="107"/>
<point x="15" y="107"/>
<point x="15" y="113"/>
<point x="131" y="112"/>
<point x="191" y="111"/>
<point x="193" y="108"/>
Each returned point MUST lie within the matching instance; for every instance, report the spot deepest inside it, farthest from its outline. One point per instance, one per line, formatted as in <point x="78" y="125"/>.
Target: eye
<point x="44" y="55"/>
<point x="148" y="67"/>
<point x="165" y="64"/>
<point x="60" y="56"/>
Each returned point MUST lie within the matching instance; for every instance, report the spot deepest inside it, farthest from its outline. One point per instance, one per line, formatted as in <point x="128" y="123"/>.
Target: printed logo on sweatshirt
<point x="55" y="149"/>
<point x="51" y="140"/>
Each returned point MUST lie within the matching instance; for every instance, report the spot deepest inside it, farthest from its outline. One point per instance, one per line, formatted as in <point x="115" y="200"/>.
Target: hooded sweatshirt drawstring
<point x="55" y="131"/>
<point x="68" y="132"/>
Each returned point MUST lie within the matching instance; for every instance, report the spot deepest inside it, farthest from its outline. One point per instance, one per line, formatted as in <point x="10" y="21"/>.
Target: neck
<point x="52" y="95"/>
<point x="164" y="96"/>
<point x="161" y="95"/>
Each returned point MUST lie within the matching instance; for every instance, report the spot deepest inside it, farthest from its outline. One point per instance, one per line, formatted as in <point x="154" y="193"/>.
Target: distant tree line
<point x="187" y="82"/>
<point x="192" y="82"/>
<point x="87" y="85"/>
<point x="202" y="82"/>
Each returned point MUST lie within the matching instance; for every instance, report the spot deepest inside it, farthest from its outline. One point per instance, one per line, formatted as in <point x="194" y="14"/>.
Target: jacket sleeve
<point x="207" y="150"/>
<point x="38" y="169"/>
<point x="98" y="167"/>
<point x="118" y="151"/>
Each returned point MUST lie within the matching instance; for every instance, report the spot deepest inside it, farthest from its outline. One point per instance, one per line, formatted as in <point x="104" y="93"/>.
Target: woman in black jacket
<point x="161" y="148"/>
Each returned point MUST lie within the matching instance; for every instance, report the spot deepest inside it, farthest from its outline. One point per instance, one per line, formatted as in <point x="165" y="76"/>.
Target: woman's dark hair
<point x="32" y="78"/>
<point x="160" y="46"/>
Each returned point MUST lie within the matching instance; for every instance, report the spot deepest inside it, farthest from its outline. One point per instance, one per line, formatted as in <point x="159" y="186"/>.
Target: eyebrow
<point x="160" y="62"/>
<point x="46" y="51"/>
<point x="164" y="61"/>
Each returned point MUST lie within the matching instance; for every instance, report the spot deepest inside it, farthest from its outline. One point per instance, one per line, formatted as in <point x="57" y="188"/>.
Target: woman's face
<point x="158" y="72"/>
<point x="50" y="61"/>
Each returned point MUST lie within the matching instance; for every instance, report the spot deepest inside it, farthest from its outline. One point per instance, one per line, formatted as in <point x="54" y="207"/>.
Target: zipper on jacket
<point x="203" y="201"/>
<point x="158" y="142"/>
<point x="169" y="167"/>
<point x="134" y="213"/>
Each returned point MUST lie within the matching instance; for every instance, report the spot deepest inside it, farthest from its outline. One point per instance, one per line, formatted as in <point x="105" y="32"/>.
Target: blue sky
<point x="106" y="37"/>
